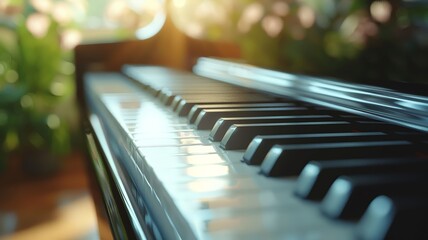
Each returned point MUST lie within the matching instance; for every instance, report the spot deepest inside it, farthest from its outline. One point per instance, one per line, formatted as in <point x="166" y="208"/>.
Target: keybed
<point x="237" y="163"/>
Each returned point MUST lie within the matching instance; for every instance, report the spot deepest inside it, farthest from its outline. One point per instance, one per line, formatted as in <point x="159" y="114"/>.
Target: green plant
<point x="36" y="85"/>
<point x="364" y="41"/>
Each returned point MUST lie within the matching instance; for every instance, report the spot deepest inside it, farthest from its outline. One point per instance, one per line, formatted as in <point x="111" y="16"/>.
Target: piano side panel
<point x="113" y="222"/>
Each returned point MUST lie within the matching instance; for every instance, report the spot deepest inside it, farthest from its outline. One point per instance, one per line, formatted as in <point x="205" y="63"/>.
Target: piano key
<point x="182" y="107"/>
<point x="173" y="90"/>
<point x="317" y="176"/>
<point x="138" y="136"/>
<point x="210" y="95"/>
<point x="195" y="96"/>
<point x="207" y="118"/>
<point x="387" y="217"/>
<point x="182" y="161"/>
<point x="139" y="128"/>
<point x="167" y="95"/>
<point x="148" y="142"/>
<point x="239" y="136"/>
<point x="194" y="112"/>
<point x="223" y="124"/>
<point x="260" y="145"/>
<point x="153" y="90"/>
<point x="267" y="224"/>
<point x="261" y="224"/>
<point x="349" y="196"/>
<point x="240" y="177"/>
<point x="160" y="151"/>
<point x="216" y="203"/>
<point x="289" y="160"/>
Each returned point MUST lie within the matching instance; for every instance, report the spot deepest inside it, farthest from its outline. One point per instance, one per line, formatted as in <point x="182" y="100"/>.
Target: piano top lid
<point x="376" y="102"/>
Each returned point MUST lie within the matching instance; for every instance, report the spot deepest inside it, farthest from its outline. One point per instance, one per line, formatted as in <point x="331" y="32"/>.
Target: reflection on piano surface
<point x="233" y="151"/>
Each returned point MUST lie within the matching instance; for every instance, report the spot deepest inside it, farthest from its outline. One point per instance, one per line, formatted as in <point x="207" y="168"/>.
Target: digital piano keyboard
<point x="232" y="151"/>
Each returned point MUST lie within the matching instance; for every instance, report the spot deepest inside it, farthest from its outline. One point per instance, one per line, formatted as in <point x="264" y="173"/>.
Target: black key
<point x="153" y="91"/>
<point x="167" y="96"/>
<point x="403" y="217"/>
<point x="289" y="160"/>
<point x="223" y="124"/>
<point x="198" y="98"/>
<point x="204" y="96"/>
<point x="207" y="118"/>
<point x="172" y="95"/>
<point x="317" y="176"/>
<point x="349" y="196"/>
<point x="183" y="106"/>
<point x="164" y="94"/>
<point x="194" y="112"/>
<point x="239" y="136"/>
<point x="260" y="145"/>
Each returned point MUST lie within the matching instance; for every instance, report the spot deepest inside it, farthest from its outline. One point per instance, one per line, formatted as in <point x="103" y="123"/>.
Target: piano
<point x="185" y="143"/>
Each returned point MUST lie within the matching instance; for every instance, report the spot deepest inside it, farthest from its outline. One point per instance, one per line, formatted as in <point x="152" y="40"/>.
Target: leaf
<point x="8" y="40"/>
<point x="40" y="58"/>
<point x="11" y="141"/>
<point x="11" y="94"/>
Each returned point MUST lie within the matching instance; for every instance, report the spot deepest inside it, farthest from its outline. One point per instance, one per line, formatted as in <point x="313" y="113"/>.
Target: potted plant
<point x="36" y="86"/>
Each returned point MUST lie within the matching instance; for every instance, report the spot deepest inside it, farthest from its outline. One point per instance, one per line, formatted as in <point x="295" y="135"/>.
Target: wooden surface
<point x="58" y="206"/>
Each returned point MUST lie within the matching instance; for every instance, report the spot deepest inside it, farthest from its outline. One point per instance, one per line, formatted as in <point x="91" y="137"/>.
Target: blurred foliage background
<point x="36" y="88"/>
<point x="360" y="40"/>
<point x="38" y="116"/>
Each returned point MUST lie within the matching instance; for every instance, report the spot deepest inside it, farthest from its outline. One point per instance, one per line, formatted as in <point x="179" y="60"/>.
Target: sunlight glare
<point x="43" y="6"/>
<point x="204" y="159"/>
<point x="306" y="16"/>
<point x="272" y="25"/>
<point x="179" y="3"/>
<point x="381" y="11"/>
<point x="71" y="38"/>
<point x="61" y="12"/>
<point x="207" y="185"/>
<point x="252" y="13"/>
<point x="280" y="8"/>
<point x="208" y="171"/>
<point x="38" y="24"/>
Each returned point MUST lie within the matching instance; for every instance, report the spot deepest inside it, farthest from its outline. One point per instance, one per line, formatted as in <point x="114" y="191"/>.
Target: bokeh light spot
<point x="306" y="16"/>
<point x="53" y="121"/>
<point x="27" y="101"/>
<point x="11" y="76"/>
<point x="38" y="24"/>
<point x="57" y="89"/>
<point x="381" y="11"/>
<point x="272" y="25"/>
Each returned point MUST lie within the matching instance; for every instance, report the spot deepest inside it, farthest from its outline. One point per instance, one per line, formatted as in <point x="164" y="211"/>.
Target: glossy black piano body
<point x="123" y="207"/>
